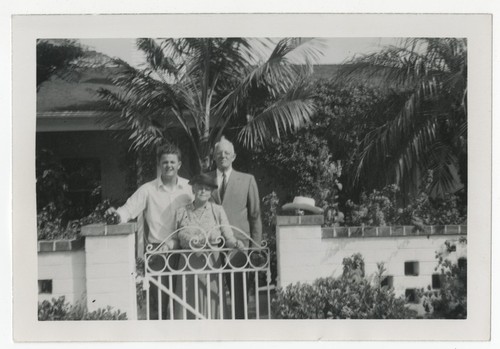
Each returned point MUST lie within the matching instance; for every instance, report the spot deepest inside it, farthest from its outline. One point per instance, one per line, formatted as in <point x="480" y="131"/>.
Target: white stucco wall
<point x="97" y="271"/>
<point x="66" y="269"/>
<point x="304" y="255"/>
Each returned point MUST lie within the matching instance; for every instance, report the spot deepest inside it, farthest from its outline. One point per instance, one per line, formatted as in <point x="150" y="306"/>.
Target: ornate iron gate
<point x="208" y="280"/>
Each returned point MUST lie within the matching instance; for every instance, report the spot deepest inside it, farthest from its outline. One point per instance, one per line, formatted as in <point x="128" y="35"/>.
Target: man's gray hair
<point x="224" y="140"/>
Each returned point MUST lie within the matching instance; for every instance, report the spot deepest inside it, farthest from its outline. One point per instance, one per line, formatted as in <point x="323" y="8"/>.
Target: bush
<point x="350" y="296"/>
<point x="51" y="180"/>
<point x="380" y="208"/>
<point x="59" y="310"/>
<point x="50" y="222"/>
<point x="450" y="301"/>
<point x="301" y="165"/>
<point x="314" y="159"/>
<point x="428" y="210"/>
<point x="376" y="209"/>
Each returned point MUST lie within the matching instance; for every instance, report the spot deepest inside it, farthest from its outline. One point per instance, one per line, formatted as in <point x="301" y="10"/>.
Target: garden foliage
<point x="426" y="125"/>
<point x="57" y="216"/>
<point x="59" y="309"/>
<point x="52" y="226"/>
<point x="51" y="181"/>
<point x="450" y="300"/>
<point x="311" y="161"/>
<point x="351" y="296"/>
<point x="381" y="208"/>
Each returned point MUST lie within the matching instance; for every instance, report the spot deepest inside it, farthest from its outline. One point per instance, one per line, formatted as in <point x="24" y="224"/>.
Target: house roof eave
<point x="63" y="121"/>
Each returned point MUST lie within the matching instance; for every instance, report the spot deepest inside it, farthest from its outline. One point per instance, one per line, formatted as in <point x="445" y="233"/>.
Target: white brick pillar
<point x="299" y="246"/>
<point x="110" y="267"/>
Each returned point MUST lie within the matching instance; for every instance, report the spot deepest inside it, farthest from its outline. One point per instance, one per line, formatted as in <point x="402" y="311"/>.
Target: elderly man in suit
<point x="239" y="195"/>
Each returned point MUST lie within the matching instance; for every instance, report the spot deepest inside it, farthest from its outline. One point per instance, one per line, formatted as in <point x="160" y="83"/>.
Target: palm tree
<point x="56" y="56"/>
<point x="425" y="125"/>
<point x="207" y="85"/>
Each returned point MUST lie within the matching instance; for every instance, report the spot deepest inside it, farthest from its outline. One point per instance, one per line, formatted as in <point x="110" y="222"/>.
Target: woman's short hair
<point x="168" y="148"/>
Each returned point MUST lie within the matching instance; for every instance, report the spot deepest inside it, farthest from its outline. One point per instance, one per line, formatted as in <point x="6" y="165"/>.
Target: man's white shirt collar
<point x="227" y="172"/>
<point x="182" y="183"/>
<point x="219" y="176"/>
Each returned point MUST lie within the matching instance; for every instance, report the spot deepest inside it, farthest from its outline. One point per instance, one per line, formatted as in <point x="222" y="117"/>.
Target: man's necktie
<point x="223" y="187"/>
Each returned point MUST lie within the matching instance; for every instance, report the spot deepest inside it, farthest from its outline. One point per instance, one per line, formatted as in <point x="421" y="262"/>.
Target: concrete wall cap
<point x="300" y="220"/>
<point x="105" y="230"/>
<point x="60" y="245"/>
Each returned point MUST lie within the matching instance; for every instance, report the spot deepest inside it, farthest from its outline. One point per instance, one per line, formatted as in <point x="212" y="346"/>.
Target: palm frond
<point x="203" y="84"/>
<point x="285" y="115"/>
<point x="432" y="72"/>
<point x="275" y="75"/>
<point x="156" y="58"/>
<point x="442" y="162"/>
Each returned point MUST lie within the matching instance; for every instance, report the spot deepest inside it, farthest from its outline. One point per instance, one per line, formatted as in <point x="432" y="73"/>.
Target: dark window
<point x="84" y="179"/>
<point x="462" y="263"/>
<point x="411" y="295"/>
<point x="387" y="281"/>
<point x="437" y="280"/>
<point x="411" y="268"/>
<point x="45" y="286"/>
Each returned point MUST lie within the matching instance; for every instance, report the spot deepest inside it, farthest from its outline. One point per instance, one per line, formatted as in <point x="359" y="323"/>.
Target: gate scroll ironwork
<point x="199" y="282"/>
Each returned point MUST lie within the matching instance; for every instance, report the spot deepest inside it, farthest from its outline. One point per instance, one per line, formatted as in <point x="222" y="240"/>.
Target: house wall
<point x="307" y="252"/>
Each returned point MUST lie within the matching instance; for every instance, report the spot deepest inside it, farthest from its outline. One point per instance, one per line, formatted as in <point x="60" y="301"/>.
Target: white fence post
<point x="298" y="242"/>
<point x="110" y="267"/>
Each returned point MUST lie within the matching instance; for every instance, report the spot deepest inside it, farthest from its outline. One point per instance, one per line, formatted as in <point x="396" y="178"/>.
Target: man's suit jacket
<point x="242" y="205"/>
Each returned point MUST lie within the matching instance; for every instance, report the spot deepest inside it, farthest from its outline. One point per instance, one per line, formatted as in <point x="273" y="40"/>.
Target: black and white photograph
<point x="257" y="179"/>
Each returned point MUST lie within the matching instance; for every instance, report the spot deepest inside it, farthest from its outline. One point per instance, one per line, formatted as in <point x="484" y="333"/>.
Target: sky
<point x="336" y="50"/>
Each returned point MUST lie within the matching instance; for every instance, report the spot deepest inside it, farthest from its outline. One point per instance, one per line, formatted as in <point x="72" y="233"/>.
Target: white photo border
<point x="477" y="28"/>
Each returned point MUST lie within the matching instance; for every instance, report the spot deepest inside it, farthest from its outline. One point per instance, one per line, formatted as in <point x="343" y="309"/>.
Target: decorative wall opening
<point x="437" y="280"/>
<point x="45" y="286"/>
<point x="411" y="295"/>
<point x="412" y="268"/>
<point x="462" y="263"/>
<point x="387" y="281"/>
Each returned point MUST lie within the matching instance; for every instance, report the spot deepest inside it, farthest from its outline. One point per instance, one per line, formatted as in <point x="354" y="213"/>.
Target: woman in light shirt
<point x="203" y="226"/>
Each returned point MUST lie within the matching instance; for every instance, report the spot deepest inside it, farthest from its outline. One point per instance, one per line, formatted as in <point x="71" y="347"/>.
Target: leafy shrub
<point x="350" y="296"/>
<point x="55" y="212"/>
<point x="309" y="161"/>
<point x="450" y="301"/>
<point x="59" y="310"/>
<point x="427" y="210"/>
<point x="51" y="180"/>
<point x="380" y="208"/>
<point x="376" y="209"/>
<point x="353" y="266"/>
<point x="301" y="165"/>
<point x="50" y="222"/>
